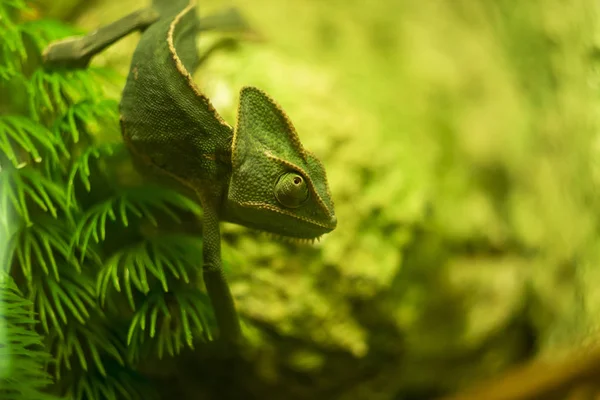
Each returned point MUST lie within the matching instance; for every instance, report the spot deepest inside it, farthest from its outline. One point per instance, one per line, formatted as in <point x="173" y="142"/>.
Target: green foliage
<point x="83" y="248"/>
<point x="81" y="167"/>
<point x="22" y="355"/>
<point x="139" y="202"/>
<point x="154" y="258"/>
<point x="86" y="345"/>
<point x="29" y="136"/>
<point x="38" y="246"/>
<point x="173" y="329"/>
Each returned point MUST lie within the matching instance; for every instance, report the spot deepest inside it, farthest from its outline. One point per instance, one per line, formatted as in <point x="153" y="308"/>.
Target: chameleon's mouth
<point x="290" y="239"/>
<point x="329" y="225"/>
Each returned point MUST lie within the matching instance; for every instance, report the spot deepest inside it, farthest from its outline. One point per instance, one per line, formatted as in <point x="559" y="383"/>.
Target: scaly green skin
<point x="258" y="175"/>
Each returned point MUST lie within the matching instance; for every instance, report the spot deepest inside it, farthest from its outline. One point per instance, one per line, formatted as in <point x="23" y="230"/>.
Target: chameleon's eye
<point x="291" y="190"/>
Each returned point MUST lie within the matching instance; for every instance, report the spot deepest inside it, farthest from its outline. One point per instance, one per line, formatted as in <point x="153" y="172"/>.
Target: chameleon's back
<point x="166" y="122"/>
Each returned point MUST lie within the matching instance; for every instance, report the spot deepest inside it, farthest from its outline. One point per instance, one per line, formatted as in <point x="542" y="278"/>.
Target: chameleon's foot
<point x="66" y="53"/>
<point x="77" y="52"/>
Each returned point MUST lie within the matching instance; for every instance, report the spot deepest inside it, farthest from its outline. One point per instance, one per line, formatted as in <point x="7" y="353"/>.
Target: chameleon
<point x="256" y="174"/>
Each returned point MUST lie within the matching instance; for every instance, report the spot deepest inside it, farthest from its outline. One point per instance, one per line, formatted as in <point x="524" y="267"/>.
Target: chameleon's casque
<point x="177" y="131"/>
<point x="266" y="149"/>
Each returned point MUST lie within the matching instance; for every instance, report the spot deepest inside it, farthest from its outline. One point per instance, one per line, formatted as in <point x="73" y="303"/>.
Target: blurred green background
<point x="461" y="143"/>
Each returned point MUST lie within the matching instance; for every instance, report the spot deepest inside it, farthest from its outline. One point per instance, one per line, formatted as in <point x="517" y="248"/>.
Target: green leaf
<point x="165" y="257"/>
<point x="30" y="137"/>
<point x="14" y="4"/>
<point x="78" y="340"/>
<point x="53" y="91"/>
<point x="39" y="245"/>
<point x="61" y="302"/>
<point x="6" y="73"/>
<point x="12" y="49"/>
<point x="142" y="202"/>
<point x="81" y="168"/>
<point x="180" y="318"/>
<point x="22" y="356"/>
<point x="86" y="113"/>
<point x="17" y="187"/>
<point x="44" y="31"/>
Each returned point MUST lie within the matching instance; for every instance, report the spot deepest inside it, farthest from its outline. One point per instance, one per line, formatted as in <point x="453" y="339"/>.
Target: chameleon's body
<point x="172" y="106"/>
<point x="257" y="175"/>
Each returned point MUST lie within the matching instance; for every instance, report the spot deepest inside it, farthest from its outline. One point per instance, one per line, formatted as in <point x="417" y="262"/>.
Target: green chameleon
<point x="258" y="175"/>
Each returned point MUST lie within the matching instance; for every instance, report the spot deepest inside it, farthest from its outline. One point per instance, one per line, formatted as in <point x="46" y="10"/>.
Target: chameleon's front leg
<point x="77" y="52"/>
<point x="214" y="278"/>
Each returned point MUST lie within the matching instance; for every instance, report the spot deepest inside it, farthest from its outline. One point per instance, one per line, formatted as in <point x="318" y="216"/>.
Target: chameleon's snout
<point x="333" y="222"/>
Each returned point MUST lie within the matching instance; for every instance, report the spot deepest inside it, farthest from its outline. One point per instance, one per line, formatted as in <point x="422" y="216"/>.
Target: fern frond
<point x="12" y="49"/>
<point x="173" y="320"/>
<point x="160" y="257"/>
<point x="32" y="138"/>
<point x="14" y="93"/>
<point x="52" y="91"/>
<point x="44" y="31"/>
<point x="16" y="4"/>
<point x="86" y="113"/>
<point x="81" y="168"/>
<point x="121" y="384"/>
<point x="7" y="72"/>
<point x="59" y="302"/>
<point x="86" y="346"/>
<point x="20" y="187"/>
<point x="22" y="357"/>
<point x="141" y="202"/>
<point x="39" y="245"/>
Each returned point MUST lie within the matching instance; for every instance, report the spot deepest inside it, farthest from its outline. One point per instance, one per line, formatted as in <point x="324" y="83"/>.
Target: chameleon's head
<point x="276" y="185"/>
